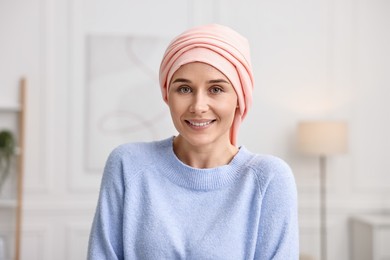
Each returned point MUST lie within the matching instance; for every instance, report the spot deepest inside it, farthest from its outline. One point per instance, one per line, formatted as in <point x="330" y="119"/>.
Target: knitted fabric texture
<point x="152" y="206"/>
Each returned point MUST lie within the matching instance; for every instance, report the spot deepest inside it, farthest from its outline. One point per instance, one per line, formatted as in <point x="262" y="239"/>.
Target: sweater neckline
<point x="200" y="179"/>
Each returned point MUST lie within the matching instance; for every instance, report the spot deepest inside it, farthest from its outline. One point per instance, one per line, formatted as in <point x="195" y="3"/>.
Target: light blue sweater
<point x="152" y="206"/>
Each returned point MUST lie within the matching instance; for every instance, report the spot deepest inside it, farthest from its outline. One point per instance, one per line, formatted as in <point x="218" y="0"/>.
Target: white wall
<point x="312" y="60"/>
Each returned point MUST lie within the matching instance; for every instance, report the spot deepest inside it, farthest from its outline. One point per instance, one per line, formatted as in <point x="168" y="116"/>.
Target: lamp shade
<point x="322" y="137"/>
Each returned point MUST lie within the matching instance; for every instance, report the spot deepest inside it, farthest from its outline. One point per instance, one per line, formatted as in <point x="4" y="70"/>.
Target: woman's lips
<point x="198" y="123"/>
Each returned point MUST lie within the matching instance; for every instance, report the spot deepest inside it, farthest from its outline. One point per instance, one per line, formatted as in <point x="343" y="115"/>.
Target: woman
<point x="197" y="195"/>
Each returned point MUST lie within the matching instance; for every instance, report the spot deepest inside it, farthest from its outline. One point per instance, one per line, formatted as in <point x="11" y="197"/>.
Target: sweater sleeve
<point x="106" y="240"/>
<point x="278" y="237"/>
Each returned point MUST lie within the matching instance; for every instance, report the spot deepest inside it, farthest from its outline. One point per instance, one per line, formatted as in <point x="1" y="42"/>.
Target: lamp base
<point x="323" y="229"/>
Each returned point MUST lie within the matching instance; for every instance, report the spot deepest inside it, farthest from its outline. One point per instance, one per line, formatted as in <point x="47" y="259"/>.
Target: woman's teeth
<point x="200" y="124"/>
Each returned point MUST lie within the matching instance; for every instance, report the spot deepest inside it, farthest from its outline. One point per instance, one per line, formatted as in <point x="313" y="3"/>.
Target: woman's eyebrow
<point x="213" y="81"/>
<point x="181" y="80"/>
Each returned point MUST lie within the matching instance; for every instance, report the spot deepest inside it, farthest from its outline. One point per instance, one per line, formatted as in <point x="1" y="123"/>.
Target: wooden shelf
<point x="4" y="107"/>
<point x="8" y="203"/>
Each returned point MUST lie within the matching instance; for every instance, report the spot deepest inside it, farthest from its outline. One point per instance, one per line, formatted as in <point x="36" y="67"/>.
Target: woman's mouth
<point x="198" y="123"/>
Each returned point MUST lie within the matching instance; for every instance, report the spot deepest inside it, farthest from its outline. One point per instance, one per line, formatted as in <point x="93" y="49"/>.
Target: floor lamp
<point x="322" y="139"/>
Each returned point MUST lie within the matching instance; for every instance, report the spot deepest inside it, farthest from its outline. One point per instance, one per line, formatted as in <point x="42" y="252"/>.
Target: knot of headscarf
<point x="220" y="47"/>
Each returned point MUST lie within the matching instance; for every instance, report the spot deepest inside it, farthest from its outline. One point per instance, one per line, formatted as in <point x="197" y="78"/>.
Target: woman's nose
<point x="199" y="103"/>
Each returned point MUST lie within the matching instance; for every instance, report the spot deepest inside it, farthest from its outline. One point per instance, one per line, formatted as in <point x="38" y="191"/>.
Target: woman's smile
<point x="199" y="124"/>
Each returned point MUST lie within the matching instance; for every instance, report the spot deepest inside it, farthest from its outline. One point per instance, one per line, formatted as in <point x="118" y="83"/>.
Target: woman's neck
<point x="202" y="157"/>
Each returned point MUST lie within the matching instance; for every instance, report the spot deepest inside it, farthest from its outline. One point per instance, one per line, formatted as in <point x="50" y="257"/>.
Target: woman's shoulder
<point x="130" y="159"/>
<point x="266" y="163"/>
<point x="137" y="150"/>
<point x="270" y="169"/>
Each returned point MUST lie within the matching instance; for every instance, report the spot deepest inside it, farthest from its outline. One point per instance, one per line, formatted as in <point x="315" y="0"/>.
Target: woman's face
<point x="202" y="103"/>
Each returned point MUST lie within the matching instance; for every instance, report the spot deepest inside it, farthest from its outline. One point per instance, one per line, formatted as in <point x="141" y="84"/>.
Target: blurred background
<point x="91" y="76"/>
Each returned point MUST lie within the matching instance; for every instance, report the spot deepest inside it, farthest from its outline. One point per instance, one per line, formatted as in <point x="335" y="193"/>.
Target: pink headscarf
<point x="220" y="47"/>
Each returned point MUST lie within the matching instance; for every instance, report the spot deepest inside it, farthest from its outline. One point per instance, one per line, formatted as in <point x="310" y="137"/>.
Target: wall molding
<point x="367" y="180"/>
<point x="38" y="184"/>
<point x="36" y="241"/>
<point x="77" y="235"/>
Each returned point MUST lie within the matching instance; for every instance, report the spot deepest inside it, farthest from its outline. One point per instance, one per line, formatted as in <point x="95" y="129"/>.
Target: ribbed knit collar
<point x="200" y="179"/>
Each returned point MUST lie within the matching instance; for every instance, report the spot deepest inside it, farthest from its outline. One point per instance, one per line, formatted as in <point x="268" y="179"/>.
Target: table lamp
<point x="322" y="139"/>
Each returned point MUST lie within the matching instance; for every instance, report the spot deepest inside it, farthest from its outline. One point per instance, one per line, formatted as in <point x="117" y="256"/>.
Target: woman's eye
<point x="184" y="89"/>
<point x="216" y="90"/>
